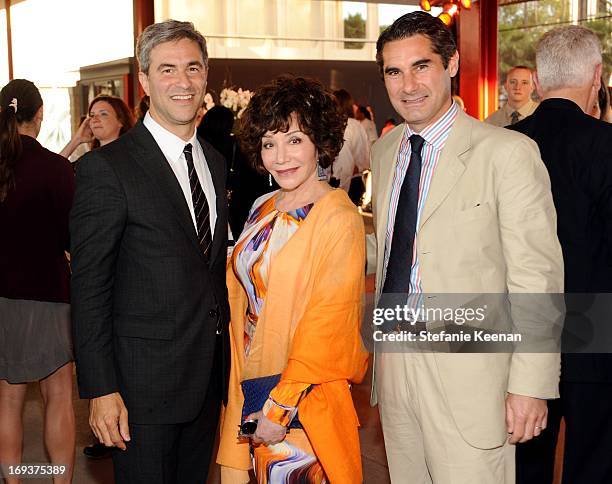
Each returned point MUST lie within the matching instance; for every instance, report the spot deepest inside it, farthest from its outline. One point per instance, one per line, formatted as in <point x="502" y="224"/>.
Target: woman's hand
<point x="84" y="133"/>
<point x="268" y="432"/>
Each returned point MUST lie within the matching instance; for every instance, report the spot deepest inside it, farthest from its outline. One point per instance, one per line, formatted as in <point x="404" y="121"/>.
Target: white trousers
<point x="422" y="441"/>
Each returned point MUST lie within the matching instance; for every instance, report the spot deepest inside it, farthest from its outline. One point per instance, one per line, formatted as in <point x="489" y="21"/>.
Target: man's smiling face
<point x="176" y="84"/>
<point x="418" y="85"/>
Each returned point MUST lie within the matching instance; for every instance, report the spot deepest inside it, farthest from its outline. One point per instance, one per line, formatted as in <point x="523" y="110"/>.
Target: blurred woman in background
<point x="36" y="192"/>
<point x="108" y="118"/>
<point x="244" y="184"/>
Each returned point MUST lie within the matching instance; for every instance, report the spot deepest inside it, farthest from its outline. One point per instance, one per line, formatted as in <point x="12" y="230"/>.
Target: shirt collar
<point x="524" y="110"/>
<point x="171" y="145"/>
<point x="436" y="133"/>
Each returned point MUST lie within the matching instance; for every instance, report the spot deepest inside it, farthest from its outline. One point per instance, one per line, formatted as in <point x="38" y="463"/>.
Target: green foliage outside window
<point x="354" y="28"/>
<point x="522" y="24"/>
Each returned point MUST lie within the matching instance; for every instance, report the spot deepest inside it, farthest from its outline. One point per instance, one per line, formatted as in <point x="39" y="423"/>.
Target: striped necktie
<point x="514" y="117"/>
<point x="399" y="267"/>
<point x="200" y="205"/>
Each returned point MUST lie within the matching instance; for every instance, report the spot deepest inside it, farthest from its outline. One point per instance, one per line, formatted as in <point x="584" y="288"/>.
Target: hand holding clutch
<point x="267" y="432"/>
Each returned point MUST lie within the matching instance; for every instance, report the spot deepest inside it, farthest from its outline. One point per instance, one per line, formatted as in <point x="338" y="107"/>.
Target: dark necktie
<point x="200" y="204"/>
<point x="514" y="117"/>
<point x="397" y="279"/>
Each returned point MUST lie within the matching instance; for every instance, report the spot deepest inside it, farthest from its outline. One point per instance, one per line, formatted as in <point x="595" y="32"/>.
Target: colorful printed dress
<point x="266" y="231"/>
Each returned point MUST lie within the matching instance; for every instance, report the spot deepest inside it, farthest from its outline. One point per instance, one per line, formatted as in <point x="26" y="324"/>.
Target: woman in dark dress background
<point x="244" y="184"/>
<point x="36" y="191"/>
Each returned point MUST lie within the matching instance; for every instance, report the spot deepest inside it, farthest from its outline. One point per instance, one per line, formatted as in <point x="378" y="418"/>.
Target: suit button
<point x="213" y="313"/>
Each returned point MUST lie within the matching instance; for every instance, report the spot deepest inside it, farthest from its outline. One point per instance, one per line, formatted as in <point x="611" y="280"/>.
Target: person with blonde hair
<point x="519" y="88"/>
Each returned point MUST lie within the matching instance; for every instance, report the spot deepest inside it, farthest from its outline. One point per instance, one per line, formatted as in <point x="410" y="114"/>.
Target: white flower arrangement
<point x="237" y="101"/>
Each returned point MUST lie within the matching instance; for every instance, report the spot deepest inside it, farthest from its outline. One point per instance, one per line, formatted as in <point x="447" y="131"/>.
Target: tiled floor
<point x="100" y="472"/>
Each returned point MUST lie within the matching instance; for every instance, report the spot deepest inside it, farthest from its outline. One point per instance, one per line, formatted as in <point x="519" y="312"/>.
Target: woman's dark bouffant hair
<point x="20" y="100"/>
<point x="271" y="107"/>
<point x="122" y="111"/>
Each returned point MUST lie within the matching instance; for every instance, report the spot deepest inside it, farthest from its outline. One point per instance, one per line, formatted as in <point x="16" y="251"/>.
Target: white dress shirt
<point x="172" y="147"/>
<point x="370" y="129"/>
<point x="354" y="157"/>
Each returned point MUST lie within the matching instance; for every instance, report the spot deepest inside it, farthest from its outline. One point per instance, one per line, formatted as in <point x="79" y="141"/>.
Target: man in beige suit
<point x="459" y="207"/>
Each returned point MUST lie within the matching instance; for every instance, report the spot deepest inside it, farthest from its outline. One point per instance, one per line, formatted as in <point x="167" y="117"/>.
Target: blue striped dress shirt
<point x="435" y="136"/>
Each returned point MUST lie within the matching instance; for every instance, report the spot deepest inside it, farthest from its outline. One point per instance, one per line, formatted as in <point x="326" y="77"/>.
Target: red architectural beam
<point x="144" y="15"/>
<point x="477" y="38"/>
<point x="9" y="39"/>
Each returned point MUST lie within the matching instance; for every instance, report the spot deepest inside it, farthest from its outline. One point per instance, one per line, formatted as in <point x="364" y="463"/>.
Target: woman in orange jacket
<point x="295" y="283"/>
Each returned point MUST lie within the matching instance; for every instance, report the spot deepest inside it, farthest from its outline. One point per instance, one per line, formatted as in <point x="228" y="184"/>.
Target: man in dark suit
<point x="149" y="300"/>
<point x="577" y="150"/>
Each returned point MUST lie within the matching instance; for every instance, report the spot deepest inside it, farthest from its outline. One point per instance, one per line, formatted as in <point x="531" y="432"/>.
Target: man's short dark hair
<point x="167" y="31"/>
<point x="419" y="23"/>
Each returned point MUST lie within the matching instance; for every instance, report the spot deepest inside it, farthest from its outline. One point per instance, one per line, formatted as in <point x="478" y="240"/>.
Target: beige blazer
<point x="488" y="226"/>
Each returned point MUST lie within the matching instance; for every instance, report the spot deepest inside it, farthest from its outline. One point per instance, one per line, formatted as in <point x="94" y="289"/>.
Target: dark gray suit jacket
<point x="145" y="304"/>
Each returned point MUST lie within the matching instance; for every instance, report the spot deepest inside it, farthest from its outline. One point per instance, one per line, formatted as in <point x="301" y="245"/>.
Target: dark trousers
<point x="173" y="453"/>
<point x="535" y="459"/>
<point x="587" y="409"/>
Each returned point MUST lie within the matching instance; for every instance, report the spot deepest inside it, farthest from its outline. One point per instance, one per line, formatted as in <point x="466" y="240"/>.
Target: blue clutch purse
<point x="256" y="391"/>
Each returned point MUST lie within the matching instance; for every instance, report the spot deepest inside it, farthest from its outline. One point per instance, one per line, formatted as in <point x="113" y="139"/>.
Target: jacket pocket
<point x="477" y="212"/>
<point x="144" y="326"/>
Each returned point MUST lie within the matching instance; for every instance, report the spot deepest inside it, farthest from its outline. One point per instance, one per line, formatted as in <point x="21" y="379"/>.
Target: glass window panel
<point x="388" y="12"/>
<point x="4" y="74"/>
<point x="271" y="29"/>
<point x="522" y="24"/>
<point x="354" y="16"/>
<point x="52" y="40"/>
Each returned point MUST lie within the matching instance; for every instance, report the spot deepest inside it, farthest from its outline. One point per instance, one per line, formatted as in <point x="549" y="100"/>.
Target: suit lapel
<point x="150" y="157"/>
<point x="216" y="172"/>
<point x="450" y="166"/>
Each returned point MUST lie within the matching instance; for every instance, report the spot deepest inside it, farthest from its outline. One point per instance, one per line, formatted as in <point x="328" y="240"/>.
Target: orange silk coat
<point x="308" y="330"/>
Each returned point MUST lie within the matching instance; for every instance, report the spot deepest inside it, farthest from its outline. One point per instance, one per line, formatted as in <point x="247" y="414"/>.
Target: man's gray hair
<point x="567" y="57"/>
<point x="166" y="31"/>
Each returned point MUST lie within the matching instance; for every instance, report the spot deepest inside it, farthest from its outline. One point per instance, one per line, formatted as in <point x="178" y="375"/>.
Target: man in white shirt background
<point x="354" y="157"/>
